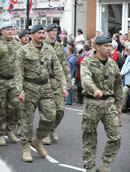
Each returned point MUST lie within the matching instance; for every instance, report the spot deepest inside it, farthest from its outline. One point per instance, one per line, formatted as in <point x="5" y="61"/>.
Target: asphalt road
<point x="66" y="156"/>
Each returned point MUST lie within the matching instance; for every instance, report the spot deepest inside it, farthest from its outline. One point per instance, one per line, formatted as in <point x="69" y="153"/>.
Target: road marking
<point x="72" y="167"/>
<point x="54" y="161"/>
<point x="48" y="157"/>
<point x="77" y="110"/>
<point x="80" y="114"/>
<point x="4" y="167"/>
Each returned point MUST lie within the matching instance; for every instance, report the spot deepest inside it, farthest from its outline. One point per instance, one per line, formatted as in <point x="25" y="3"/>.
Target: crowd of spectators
<point x="76" y="49"/>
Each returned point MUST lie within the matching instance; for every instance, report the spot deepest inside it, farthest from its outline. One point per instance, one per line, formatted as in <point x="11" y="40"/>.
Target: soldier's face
<point x="104" y="50"/>
<point x="39" y="36"/>
<point x="25" y="39"/>
<point x="52" y="34"/>
<point x="7" y="33"/>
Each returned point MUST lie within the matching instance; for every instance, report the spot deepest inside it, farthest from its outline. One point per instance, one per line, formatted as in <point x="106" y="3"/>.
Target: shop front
<point x="113" y="16"/>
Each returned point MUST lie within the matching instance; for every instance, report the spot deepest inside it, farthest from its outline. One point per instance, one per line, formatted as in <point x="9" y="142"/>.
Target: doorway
<point x="111" y="21"/>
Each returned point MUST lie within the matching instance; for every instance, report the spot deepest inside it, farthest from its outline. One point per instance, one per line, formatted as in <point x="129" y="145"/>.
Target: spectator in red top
<point x="84" y="52"/>
<point x="116" y="55"/>
<point x="114" y="50"/>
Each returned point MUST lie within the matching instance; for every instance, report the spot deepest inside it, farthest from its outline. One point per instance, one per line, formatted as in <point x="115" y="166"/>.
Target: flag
<point x="11" y="5"/>
<point x="14" y="1"/>
<point x="30" y="5"/>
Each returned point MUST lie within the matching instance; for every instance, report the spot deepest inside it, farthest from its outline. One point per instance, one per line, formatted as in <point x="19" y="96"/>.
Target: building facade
<point x="45" y="12"/>
<point x="113" y="16"/>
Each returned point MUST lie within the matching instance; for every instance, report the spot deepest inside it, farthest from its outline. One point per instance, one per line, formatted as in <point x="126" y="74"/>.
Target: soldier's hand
<point x="65" y="92"/>
<point x="119" y="110"/>
<point x="98" y="94"/>
<point x="21" y="97"/>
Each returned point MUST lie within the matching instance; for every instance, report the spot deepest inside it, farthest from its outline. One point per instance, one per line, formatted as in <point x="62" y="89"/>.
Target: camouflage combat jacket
<point x="7" y="53"/>
<point x="59" y="49"/>
<point x="95" y="75"/>
<point x="36" y="65"/>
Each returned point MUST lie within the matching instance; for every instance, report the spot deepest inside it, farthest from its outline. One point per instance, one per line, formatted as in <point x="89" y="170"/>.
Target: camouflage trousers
<point x="41" y="97"/>
<point x="106" y="112"/>
<point x="59" y="101"/>
<point x="9" y="106"/>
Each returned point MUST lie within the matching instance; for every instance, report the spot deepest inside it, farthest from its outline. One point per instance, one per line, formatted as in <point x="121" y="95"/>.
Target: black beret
<point x="22" y="33"/>
<point x="36" y="27"/>
<point x="103" y="40"/>
<point x="51" y="27"/>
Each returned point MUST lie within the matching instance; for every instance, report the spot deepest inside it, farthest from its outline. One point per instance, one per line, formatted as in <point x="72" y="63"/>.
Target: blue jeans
<point x="68" y="100"/>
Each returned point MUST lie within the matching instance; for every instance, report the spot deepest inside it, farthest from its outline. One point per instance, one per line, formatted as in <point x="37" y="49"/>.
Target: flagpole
<point x="27" y="14"/>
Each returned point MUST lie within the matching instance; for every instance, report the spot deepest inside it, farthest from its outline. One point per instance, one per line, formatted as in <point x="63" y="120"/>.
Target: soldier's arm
<point x="88" y="85"/>
<point x="66" y="68"/>
<point x="58" y="72"/>
<point x="118" y="90"/>
<point x="19" y="70"/>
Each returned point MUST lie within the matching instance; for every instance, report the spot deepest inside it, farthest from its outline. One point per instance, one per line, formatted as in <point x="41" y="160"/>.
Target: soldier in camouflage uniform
<point x="102" y="87"/>
<point x="24" y="39"/>
<point x="35" y="63"/>
<point x="59" y="92"/>
<point x="9" y="106"/>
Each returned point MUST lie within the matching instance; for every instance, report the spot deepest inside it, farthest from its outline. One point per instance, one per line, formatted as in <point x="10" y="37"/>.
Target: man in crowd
<point x="35" y="63"/>
<point x="125" y="73"/>
<point x="24" y="37"/>
<point x="59" y="92"/>
<point x="9" y="104"/>
<point x="102" y="88"/>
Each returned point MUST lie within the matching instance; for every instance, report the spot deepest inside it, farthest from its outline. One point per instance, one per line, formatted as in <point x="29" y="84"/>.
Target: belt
<point x="6" y="77"/>
<point x="36" y="81"/>
<point x="100" y="98"/>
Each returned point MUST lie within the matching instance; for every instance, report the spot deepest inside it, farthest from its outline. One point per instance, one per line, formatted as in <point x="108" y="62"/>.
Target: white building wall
<point x="66" y="21"/>
<point x="125" y="9"/>
<point x="82" y="16"/>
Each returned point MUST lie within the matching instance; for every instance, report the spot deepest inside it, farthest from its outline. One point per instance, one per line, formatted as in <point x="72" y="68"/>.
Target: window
<point x="43" y="22"/>
<point x="56" y="20"/>
<point x="17" y="23"/>
<point x="22" y="23"/>
<point x="48" y="21"/>
<point x="128" y="10"/>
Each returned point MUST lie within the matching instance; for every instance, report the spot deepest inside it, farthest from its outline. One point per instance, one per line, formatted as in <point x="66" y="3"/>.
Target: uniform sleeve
<point x="58" y="72"/>
<point x="66" y="68"/>
<point x="19" y="70"/>
<point x="88" y="85"/>
<point x="118" y="90"/>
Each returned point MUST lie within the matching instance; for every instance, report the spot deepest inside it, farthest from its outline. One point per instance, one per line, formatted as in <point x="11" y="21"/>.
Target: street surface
<point x="66" y="156"/>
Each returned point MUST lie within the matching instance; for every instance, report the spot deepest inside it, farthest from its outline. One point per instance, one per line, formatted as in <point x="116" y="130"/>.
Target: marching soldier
<point x="35" y="63"/>
<point x="102" y="88"/>
<point x="9" y="106"/>
<point x="59" y="92"/>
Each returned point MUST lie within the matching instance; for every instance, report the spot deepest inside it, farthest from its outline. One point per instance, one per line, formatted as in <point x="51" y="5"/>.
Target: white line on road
<point x="48" y="157"/>
<point x="80" y="114"/>
<point x="77" y="110"/>
<point x="72" y="167"/>
<point x="4" y="167"/>
<point x="52" y="160"/>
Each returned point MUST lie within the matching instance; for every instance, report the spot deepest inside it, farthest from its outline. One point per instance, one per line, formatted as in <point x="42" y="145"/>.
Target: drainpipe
<point x="27" y="14"/>
<point x="75" y="16"/>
